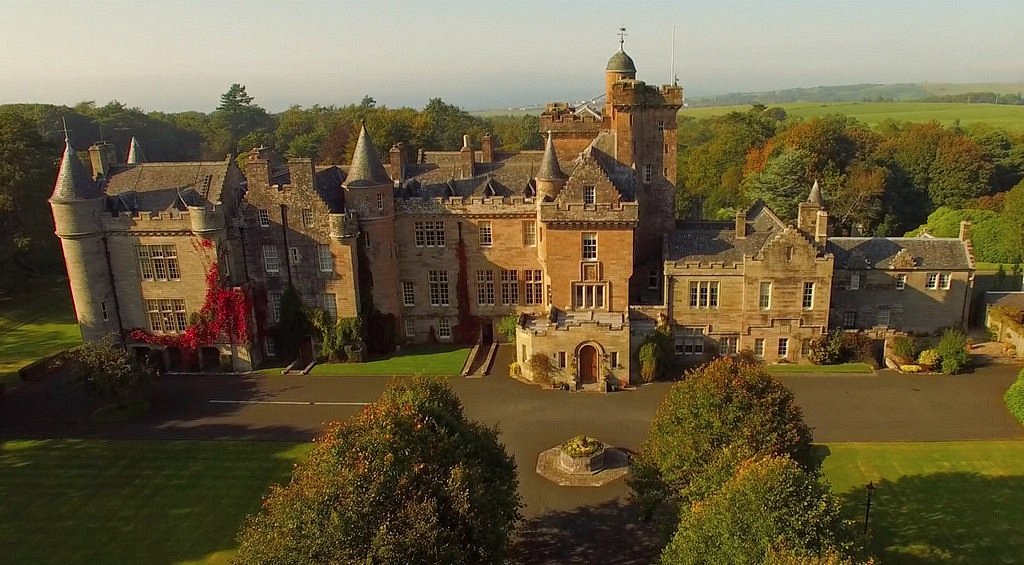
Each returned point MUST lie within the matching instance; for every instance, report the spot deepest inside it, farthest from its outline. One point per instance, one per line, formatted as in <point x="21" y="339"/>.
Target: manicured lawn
<point x="34" y="325"/>
<point x="945" y="502"/>
<point x="74" y="501"/>
<point x="994" y="267"/>
<point x="440" y="360"/>
<point x="792" y="368"/>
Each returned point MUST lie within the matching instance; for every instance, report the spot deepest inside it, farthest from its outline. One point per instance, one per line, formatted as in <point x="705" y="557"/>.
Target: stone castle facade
<point x="578" y="240"/>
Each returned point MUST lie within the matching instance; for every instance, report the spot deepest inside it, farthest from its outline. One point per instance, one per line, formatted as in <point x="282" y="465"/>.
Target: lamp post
<point x="867" y="508"/>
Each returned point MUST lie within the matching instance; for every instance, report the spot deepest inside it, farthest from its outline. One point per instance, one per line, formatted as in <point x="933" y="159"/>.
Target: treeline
<point x="978" y="98"/>
<point x="32" y="137"/>
<point x="885" y="180"/>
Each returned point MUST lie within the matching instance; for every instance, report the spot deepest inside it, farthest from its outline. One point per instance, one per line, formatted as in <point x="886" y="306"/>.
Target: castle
<point x="579" y="240"/>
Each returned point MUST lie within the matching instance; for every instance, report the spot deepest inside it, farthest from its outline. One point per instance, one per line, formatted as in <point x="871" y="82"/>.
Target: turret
<point x="620" y="67"/>
<point x="807" y="212"/>
<point x="78" y="206"/>
<point x="135" y="156"/>
<point x="550" y="178"/>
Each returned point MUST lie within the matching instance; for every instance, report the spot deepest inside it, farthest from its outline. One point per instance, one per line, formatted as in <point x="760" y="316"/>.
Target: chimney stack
<point x="741" y="224"/>
<point x="487" y="149"/>
<point x="467" y="158"/>
<point x="397" y="157"/>
<point x="101" y="155"/>
<point x="965" y="230"/>
<point x="821" y="227"/>
<point x="257" y="167"/>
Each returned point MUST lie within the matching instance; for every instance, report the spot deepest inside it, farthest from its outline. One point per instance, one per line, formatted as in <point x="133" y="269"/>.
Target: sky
<point x="174" y="55"/>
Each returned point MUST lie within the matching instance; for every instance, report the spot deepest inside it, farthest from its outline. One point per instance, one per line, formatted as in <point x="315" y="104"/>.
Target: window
<point x="522" y="353"/>
<point x="849" y="319"/>
<point x="366" y="239"/>
<point x="103" y="307"/>
<point x="884" y="316"/>
<point x="264" y="218"/>
<point x="783" y="347"/>
<point x="408" y="293"/>
<point x="509" y="287"/>
<point x="158" y="262"/>
<point x="268" y="346"/>
<point x="759" y="347"/>
<point x="444" y="328"/>
<point x="690" y="341"/>
<point x="534" y="286"/>
<point x="588" y="295"/>
<point x="485" y="288"/>
<point x="648" y="174"/>
<point x="324" y="257"/>
<point x="704" y="294"/>
<point x="438" y="287"/>
<point x="729" y="345"/>
<point x="429" y="233"/>
<point x="307" y="217"/>
<point x="764" y="298"/>
<point x="275" y="306"/>
<point x="589" y="246"/>
<point x="271" y="263"/>
<point x="331" y="306"/>
<point x="561" y="359"/>
<point x="589" y="195"/>
<point x="855" y="281"/>
<point x="485" y="234"/>
<point x="652" y="280"/>
<point x="932" y="282"/>
<point x="529" y="234"/>
<point x="225" y="265"/>
<point x="614" y="359"/>
<point x="380" y="201"/>
<point x="944" y="281"/>
<point x="167" y="315"/>
<point x="410" y="327"/>
<point x="293" y="255"/>
<point x="808" y="295"/>
<point x="901" y="282"/>
<point x="661" y="125"/>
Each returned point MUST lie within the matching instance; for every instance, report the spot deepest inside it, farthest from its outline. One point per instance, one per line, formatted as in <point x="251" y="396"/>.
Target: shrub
<point x="952" y="350"/>
<point x="827" y="349"/>
<point x="514" y="370"/>
<point x="858" y="347"/>
<point x="648" y="357"/>
<point x="104" y="368"/>
<point x="904" y="349"/>
<point x="581" y="446"/>
<point x="507" y="327"/>
<point x="910" y="368"/>
<point x="928" y="358"/>
<point x="540" y="368"/>
<point x="1014" y="398"/>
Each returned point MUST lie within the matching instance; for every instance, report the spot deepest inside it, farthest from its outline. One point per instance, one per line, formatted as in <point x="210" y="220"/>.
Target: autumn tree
<point x="784" y="183"/>
<point x="408" y="480"/>
<point x="715" y="418"/>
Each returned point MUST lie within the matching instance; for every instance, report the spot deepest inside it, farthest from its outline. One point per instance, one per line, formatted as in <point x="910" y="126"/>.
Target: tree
<point x="237" y="116"/>
<point x="769" y="505"/>
<point x="27" y="171"/>
<point x="408" y="480"/>
<point x="718" y="416"/>
<point x="106" y="369"/>
<point x="952" y="350"/>
<point x="784" y="183"/>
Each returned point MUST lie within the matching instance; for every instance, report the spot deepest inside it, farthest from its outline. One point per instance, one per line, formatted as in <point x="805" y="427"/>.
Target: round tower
<point x="550" y="178"/>
<point x="620" y="67"/>
<point x="369" y="193"/>
<point x="78" y="206"/>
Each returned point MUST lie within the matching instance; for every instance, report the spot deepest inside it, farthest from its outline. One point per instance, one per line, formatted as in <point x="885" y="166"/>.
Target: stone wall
<point x="914" y="309"/>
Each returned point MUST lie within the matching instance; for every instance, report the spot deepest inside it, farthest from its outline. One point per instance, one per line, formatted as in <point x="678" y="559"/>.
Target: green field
<point x="34" y="325"/>
<point x="944" y="502"/>
<point x="873" y="113"/>
<point x="68" y="501"/>
<point x="432" y="360"/>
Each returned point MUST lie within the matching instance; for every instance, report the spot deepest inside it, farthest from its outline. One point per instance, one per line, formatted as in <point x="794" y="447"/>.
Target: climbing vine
<point x="468" y="327"/>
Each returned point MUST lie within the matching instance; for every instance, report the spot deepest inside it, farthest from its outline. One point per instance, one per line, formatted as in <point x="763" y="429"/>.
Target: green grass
<point x="433" y="360"/>
<point x="74" y="501"/>
<point x="944" y="502"/>
<point x="873" y="113"/>
<point x="34" y="325"/>
<point x="792" y="369"/>
<point x="993" y="267"/>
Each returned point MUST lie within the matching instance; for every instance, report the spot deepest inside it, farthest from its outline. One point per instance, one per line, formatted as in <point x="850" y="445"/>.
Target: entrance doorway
<point x="589" y="368"/>
<point x="306" y="351"/>
<point x="486" y="332"/>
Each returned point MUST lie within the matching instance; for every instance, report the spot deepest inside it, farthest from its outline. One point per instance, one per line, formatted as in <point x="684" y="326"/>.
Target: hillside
<point x="901" y="92"/>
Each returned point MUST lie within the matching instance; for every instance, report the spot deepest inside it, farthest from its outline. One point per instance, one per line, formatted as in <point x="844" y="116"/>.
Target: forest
<point x="889" y="179"/>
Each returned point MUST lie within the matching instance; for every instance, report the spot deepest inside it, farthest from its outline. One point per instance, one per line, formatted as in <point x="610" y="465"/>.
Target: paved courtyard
<point x="882" y="407"/>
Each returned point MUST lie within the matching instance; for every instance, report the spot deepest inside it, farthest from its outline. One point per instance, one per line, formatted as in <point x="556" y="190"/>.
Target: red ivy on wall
<point x="225" y="316"/>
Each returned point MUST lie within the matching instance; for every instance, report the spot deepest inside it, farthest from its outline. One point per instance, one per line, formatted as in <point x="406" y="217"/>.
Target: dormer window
<point x="589" y="195"/>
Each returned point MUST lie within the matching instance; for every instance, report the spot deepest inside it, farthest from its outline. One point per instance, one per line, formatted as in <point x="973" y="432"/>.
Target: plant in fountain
<point x="581" y="446"/>
<point x="581" y="454"/>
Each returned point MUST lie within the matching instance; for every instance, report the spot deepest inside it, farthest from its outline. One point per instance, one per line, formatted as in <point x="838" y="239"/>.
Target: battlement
<point x="470" y="205"/>
<point x="196" y="219"/>
<point x="617" y="212"/>
<point x="627" y="93"/>
<point x="559" y="117"/>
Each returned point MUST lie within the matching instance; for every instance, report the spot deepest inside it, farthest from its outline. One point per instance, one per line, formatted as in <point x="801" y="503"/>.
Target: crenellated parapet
<point x="343" y="226"/>
<point x="636" y="93"/>
<point x="579" y="213"/>
<point x="496" y="206"/>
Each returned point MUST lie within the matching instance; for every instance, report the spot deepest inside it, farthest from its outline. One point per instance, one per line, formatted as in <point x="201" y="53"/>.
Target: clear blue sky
<point x="177" y="55"/>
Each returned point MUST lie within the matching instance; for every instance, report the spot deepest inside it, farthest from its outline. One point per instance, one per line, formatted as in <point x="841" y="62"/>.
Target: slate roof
<point x="155" y="187"/>
<point x="1011" y="300"/>
<point x="328" y="188"/>
<point x="938" y="253"/>
<point x="73" y="183"/>
<point x="366" y="168"/>
<point x="716" y="241"/>
<point x="549" y="168"/>
<point x="510" y="175"/>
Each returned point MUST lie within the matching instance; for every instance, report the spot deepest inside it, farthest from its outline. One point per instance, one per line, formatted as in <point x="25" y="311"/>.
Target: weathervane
<point x="622" y="37"/>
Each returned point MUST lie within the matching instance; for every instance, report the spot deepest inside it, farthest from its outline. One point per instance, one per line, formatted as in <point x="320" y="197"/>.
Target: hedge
<point x="1014" y="398"/>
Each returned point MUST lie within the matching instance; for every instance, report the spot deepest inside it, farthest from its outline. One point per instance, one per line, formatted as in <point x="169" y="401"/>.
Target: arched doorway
<point x="589" y="367"/>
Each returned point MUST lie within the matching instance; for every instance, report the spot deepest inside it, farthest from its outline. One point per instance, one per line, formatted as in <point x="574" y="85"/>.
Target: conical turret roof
<point x="621" y="63"/>
<point x="135" y="153"/>
<point x="73" y="183"/>
<point x="366" y="168"/>
<point x="815" y="196"/>
<point x="549" y="169"/>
